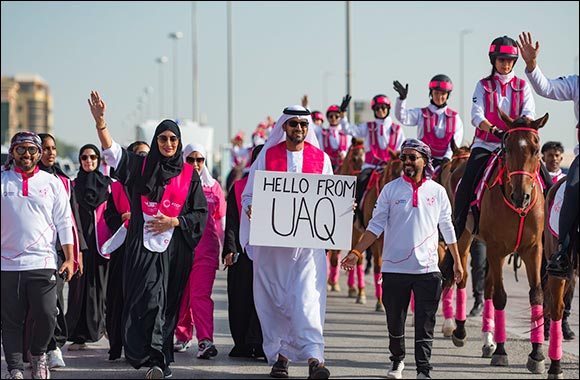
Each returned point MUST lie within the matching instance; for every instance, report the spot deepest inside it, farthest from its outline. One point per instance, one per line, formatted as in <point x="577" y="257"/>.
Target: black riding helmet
<point x="441" y="82"/>
<point x="503" y="47"/>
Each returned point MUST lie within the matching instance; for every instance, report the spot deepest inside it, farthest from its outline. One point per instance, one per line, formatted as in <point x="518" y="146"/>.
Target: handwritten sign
<point x="302" y="210"/>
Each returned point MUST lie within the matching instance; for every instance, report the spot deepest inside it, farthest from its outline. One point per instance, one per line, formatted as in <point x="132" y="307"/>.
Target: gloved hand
<point x="403" y="91"/>
<point x="497" y="132"/>
<point x="345" y="102"/>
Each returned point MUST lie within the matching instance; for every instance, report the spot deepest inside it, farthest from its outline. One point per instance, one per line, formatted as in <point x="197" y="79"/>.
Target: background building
<point x="26" y="106"/>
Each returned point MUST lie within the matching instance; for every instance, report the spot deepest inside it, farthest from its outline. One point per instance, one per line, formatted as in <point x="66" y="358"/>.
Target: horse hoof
<point x="448" y="327"/>
<point x="487" y="351"/>
<point x="499" y="360"/>
<point x="536" y="366"/>
<point x="379" y="306"/>
<point x="335" y="288"/>
<point x="457" y="342"/>
<point x="352" y="292"/>
<point x="361" y="300"/>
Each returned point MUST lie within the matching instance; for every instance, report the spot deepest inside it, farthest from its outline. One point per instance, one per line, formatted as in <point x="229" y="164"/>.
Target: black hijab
<point x="158" y="168"/>
<point x="92" y="188"/>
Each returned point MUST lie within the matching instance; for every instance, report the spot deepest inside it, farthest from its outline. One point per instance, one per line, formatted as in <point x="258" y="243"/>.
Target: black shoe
<point x="558" y="264"/>
<point x="567" y="332"/>
<point x="477" y="309"/>
<point x="279" y="369"/>
<point x="167" y="374"/>
<point x="316" y="371"/>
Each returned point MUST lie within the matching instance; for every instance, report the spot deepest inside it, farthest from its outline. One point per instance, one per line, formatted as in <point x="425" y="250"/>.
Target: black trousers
<point x="23" y="292"/>
<point x="426" y="289"/>
<point x="478" y="268"/>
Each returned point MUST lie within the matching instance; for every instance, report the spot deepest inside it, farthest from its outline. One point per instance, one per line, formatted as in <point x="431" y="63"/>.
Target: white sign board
<point x="302" y="210"/>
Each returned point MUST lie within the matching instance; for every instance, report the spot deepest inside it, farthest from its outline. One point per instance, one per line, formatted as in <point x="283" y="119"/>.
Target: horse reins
<point x="522" y="212"/>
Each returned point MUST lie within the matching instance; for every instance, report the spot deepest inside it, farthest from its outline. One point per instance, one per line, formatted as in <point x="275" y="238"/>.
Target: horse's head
<point x="521" y="148"/>
<point x="393" y="168"/>
<point x="354" y="159"/>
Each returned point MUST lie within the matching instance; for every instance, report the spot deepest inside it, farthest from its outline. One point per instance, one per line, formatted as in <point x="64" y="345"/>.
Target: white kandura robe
<point x="289" y="287"/>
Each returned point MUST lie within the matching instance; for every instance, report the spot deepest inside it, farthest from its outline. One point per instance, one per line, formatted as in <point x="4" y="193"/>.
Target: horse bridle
<point x="502" y="167"/>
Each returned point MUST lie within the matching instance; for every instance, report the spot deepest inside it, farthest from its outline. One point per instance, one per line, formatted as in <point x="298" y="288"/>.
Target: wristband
<point x="103" y="128"/>
<point x="356" y="252"/>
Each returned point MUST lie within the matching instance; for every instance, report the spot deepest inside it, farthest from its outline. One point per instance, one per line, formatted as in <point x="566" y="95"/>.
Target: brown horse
<point x="351" y="165"/>
<point x="511" y="220"/>
<point x="392" y="169"/>
<point x="448" y="177"/>
<point x="556" y="289"/>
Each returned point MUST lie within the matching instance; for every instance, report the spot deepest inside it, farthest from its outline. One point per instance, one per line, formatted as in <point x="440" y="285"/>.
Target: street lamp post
<point x="161" y="61"/>
<point x="175" y="36"/>
<point x="462" y="34"/>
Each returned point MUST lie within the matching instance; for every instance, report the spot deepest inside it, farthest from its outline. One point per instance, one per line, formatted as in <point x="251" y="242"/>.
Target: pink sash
<point x="171" y="203"/>
<point x="312" y="162"/>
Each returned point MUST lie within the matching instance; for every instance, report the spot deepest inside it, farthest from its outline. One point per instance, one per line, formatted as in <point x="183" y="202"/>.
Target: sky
<point x="279" y="52"/>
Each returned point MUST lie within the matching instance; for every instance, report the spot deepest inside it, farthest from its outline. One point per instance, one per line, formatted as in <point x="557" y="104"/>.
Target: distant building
<point x="26" y="106"/>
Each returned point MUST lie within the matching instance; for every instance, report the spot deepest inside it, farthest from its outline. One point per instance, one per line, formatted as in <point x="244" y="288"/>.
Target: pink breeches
<point x="196" y="305"/>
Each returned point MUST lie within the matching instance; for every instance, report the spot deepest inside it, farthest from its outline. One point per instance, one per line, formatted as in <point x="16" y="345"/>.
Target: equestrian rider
<point x="436" y="124"/>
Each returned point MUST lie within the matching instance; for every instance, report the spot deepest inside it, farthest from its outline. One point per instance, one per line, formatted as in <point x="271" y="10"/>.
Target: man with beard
<point x="289" y="283"/>
<point x="408" y="212"/>
<point x="35" y="207"/>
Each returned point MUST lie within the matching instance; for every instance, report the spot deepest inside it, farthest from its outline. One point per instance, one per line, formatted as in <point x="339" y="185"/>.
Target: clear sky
<point x="280" y="51"/>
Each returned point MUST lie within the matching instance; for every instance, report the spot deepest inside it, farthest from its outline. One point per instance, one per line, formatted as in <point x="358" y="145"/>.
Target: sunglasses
<point x="23" y="149"/>
<point x="163" y="138"/>
<point x="333" y="116"/>
<point x="294" y="123"/>
<point x="381" y="107"/>
<point x="191" y="160"/>
<point x="85" y="157"/>
<point x="411" y="157"/>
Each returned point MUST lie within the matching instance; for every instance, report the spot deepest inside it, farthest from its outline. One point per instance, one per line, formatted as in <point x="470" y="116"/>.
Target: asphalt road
<point x="356" y="345"/>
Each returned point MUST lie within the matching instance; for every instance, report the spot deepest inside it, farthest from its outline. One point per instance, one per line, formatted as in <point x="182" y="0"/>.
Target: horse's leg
<point x="460" y="334"/>
<point x="532" y="258"/>
<point x="446" y="300"/>
<point x="487" y="318"/>
<point x="495" y="260"/>
<point x="556" y="286"/>
<point x="333" y="272"/>
<point x="377" y="248"/>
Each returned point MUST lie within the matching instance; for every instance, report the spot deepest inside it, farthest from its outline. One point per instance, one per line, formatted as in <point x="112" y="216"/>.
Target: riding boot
<point x="559" y="262"/>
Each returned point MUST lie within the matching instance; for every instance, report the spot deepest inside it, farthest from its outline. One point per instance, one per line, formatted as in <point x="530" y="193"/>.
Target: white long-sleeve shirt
<point x="504" y="103"/>
<point x="562" y="88"/>
<point x="409" y="216"/>
<point x="414" y="117"/>
<point x="34" y="210"/>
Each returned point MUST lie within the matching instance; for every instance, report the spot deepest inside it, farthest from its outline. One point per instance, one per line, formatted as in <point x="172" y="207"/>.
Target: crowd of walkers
<point x="140" y="232"/>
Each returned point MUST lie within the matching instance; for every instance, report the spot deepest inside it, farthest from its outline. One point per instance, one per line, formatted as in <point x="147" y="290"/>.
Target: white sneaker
<point x="181" y="346"/>
<point x="206" y="349"/>
<point x="396" y="371"/>
<point x="55" y="359"/>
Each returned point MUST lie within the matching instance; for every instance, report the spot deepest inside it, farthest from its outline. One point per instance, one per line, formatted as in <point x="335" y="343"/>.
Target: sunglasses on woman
<point x="191" y="160"/>
<point x="411" y="157"/>
<point x="85" y="157"/>
<point x="164" y="138"/>
<point x="23" y="149"/>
